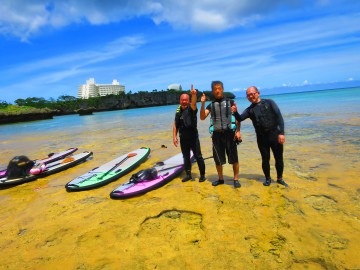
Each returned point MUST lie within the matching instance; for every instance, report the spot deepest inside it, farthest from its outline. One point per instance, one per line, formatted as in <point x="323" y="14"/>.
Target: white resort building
<point x="174" y="86"/>
<point x="91" y="89"/>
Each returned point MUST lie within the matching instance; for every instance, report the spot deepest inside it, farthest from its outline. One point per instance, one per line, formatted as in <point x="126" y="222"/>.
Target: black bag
<point x="143" y="175"/>
<point x="18" y="167"/>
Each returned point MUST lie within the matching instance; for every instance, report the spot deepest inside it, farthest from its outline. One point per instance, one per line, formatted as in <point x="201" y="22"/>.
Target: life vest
<point x="188" y="120"/>
<point x="221" y="116"/>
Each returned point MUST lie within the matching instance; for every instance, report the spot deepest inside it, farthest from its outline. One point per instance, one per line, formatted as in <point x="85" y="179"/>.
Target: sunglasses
<point x="251" y="94"/>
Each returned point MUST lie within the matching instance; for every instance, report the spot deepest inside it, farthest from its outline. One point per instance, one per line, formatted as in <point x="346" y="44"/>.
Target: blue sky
<point x="49" y="48"/>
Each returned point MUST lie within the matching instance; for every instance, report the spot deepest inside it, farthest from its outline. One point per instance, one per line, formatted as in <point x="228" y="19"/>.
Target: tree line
<point x="71" y="103"/>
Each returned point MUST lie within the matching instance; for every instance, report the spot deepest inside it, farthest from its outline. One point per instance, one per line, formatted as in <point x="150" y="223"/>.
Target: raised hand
<point x="192" y="90"/>
<point x="203" y="98"/>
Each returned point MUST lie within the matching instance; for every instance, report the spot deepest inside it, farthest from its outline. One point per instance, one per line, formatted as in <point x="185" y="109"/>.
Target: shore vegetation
<point x="41" y="108"/>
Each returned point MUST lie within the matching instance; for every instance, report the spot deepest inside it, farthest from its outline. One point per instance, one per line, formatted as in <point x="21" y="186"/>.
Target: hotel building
<point x="91" y="89"/>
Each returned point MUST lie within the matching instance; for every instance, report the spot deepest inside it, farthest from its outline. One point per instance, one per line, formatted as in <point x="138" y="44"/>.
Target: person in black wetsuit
<point x="186" y="125"/>
<point x="270" y="132"/>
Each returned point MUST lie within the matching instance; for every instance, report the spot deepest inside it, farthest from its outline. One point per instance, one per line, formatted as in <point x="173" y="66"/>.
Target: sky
<point x="49" y="48"/>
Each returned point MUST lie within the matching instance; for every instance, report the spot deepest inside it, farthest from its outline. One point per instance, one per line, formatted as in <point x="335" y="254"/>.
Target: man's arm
<point x="237" y="122"/>
<point x="238" y="117"/>
<point x="203" y="112"/>
<point x="175" y="131"/>
<point x="193" y="98"/>
<point x="237" y="132"/>
<point x="280" y="121"/>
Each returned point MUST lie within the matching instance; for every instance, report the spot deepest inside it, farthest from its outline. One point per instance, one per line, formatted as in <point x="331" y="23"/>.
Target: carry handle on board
<point x="51" y="165"/>
<point x="118" y="164"/>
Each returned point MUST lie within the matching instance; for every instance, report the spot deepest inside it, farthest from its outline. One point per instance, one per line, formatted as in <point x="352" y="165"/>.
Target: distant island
<point x="31" y="109"/>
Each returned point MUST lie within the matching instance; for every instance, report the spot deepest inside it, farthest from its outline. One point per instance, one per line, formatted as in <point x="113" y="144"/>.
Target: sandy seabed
<point x="312" y="224"/>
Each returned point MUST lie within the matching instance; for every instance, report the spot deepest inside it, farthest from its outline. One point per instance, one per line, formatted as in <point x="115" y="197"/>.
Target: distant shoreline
<point x="111" y="103"/>
<point x="16" y="114"/>
<point x="304" y="91"/>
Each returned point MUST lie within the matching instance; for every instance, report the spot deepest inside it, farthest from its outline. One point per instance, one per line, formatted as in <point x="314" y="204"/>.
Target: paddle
<point x="106" y="173"/>
<point x="160" y="163"/>
<point x="133" y="182"/>
<point x="165" y="169"/>
<point x="117" y="164"/>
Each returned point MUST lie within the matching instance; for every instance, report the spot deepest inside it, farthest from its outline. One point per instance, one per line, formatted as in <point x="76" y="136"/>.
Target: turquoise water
<point x="321" y="115"/>
<point x="327" y="113"/>
<point x="132" y="119"/>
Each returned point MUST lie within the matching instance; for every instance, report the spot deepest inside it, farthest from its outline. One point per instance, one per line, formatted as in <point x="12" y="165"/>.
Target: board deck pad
<point x="166" y="171"/>
<point x="51" y="168"/>
<point x="110" y="171"/>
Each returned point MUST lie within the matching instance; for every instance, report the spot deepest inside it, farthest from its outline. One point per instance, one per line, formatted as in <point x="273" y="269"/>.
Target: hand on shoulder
<point x="234" y="107"/>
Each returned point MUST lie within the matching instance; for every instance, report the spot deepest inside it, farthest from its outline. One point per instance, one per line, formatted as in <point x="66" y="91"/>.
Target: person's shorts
<point x="223" y="143"/>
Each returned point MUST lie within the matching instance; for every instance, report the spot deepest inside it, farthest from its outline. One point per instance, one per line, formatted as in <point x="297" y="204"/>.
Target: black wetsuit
<point x="186" y="124"/>
<point x="268" y="123"/>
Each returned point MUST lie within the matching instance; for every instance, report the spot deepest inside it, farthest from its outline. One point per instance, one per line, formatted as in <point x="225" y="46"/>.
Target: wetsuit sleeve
<point x="237" y="116"/>
<point x="244" y="115"/>
<point x="279" y="118"/>
<point x="193" y="112"/>
<point x="177" y="119"/>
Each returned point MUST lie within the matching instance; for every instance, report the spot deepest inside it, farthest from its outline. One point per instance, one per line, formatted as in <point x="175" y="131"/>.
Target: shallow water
<point x="313" y="224"/>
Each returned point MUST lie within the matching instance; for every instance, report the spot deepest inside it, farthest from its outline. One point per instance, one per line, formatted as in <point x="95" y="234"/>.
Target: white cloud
<point x="23" y="18"/>
<point x="81" y="59"/>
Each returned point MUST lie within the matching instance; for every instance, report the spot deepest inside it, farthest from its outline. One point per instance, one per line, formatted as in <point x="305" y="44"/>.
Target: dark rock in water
<point x="26" y="117"/>
<point x="88" y="111"/>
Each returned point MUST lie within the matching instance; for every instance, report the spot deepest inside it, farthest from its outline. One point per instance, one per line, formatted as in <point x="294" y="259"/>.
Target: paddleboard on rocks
<point x="42" y="169"/>
<point x="50" y="158"/>
<point x="110" y="171"/>
<point x="150" y="179"/>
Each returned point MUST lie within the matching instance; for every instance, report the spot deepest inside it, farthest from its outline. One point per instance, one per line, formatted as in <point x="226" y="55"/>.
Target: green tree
<point x="3" y="104"/>
<point x="20" y="102"/>
<point x="32" y="102"/>
<point x="66" y="98"/>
